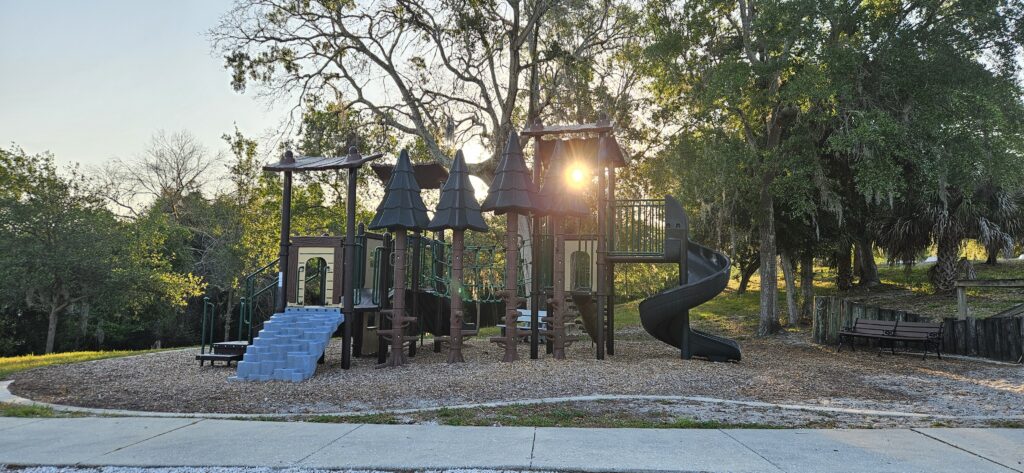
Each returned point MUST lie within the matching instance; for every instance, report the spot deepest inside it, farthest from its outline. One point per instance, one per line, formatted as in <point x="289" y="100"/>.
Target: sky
<point x="93" y="80"/>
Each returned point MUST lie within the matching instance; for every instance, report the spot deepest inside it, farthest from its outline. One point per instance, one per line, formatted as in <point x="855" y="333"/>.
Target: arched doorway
<point x="313" y="282"/>
<point x="579" y="275"/>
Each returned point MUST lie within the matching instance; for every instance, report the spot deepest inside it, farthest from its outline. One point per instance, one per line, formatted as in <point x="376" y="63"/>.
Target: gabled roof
<point x="402" y="206"/>
<point x="457" y="209"/>
<point x="512" y="189"/>
<point x="428" y="175"/>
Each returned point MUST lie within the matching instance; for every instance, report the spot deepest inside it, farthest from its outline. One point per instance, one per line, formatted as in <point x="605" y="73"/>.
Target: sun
<point x="576" y="175"/>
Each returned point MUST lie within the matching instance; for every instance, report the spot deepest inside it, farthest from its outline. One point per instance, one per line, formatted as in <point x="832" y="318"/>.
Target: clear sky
<point x="93" y="80"/>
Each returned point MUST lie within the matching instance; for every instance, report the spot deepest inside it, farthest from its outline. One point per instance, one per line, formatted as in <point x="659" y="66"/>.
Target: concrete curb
<point x="7" y="396"/>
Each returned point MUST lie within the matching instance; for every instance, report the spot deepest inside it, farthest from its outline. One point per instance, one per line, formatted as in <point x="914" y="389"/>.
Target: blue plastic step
<point x="289" y="345"/>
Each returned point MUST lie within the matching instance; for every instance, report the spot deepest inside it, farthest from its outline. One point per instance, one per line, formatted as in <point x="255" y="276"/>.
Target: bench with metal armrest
<point x="929" y="334"/>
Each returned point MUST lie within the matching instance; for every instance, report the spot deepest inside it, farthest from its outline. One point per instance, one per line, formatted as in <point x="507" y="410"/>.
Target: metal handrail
<point x="251" y="298"/>
<point x="209" y="319"/>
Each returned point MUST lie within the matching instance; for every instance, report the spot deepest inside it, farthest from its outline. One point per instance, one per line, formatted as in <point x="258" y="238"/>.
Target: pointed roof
<point x="558" y="197"/>
<point x="457" y="208"/>
<point x="402" y="206"/>
<point x="512" y="189"/>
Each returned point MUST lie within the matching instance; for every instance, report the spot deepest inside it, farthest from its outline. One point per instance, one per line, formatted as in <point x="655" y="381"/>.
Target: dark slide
<point x="666" y="314"/>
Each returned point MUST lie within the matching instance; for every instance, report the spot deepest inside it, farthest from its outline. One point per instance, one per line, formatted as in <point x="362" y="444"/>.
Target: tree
<point x="173" y="167"/>
<point x="71" y="248"/>
<point x="736" y="72"/>
<point x="429" y="69"/>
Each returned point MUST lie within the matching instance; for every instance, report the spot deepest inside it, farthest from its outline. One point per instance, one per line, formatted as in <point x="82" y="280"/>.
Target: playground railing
<point x="260" y="289"/>
<point x="207" y="325"/>
<point x="379" y="264"/>
<point x="639" y="228"/>
<point x="359" y="280"/>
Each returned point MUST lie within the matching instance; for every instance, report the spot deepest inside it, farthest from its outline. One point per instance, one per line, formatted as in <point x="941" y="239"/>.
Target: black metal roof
<point x="457" y="208"/>
<point x="428" y="175"/>
<point x="289" y="162"/>
<point x="587" y="148"/>
<point x="556" y="196"/>
<point x="512" y="189"/>
<point x="538" y="129"/>
<point x="402" y="206"/>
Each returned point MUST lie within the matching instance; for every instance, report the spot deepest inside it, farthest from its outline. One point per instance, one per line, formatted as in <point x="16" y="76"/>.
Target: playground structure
<point x="423" y="285"/>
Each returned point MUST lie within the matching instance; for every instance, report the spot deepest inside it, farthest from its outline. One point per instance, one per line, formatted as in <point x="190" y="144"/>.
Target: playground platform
<point x="170" y="442"/>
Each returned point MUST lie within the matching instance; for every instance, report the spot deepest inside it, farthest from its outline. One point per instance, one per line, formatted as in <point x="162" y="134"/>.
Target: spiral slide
<point x="666" y="315"/>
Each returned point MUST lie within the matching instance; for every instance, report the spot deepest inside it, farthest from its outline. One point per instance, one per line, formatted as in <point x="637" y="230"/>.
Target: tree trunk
<point x="789" y="275"/>
<point x="844" y="269"/>
<point x="806" y="287"/>
<point x="769" y="320"/>
<point x="227" y="314"/>
<point x="868" y="270"/>
<point x="51" y="330"/>
<point x="944" y="274"/>
<point x="746" y="272"/>
<point x="992" y="256"/>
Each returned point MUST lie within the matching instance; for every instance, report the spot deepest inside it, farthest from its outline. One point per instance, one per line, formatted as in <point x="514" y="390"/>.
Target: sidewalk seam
<point x="755" y="452"/>
<point x="533" y="446"/>
<point x="965" y="450"/>
<point x="328" y="444"/>
<point x="22" y="425"/>
<point x="149" y="438"/>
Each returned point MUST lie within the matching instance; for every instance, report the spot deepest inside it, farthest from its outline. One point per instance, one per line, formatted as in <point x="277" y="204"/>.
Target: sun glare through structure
<point x="576" y="175"/>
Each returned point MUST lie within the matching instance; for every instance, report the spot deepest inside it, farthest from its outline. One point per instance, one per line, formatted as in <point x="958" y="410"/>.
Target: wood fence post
<point x="818" y="322"/>
<point x="961" y="302"/>
<point x="972" y="336"/>
<point x="833" y="320"/>
<point x="949" y="334"/>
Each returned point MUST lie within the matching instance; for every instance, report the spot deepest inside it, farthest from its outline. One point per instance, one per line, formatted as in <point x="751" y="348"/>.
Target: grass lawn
<point x="541" y="415"/>
<point x="910" y="290"/>
<point x="14" y="364"/>
<point x="8" y="409"/>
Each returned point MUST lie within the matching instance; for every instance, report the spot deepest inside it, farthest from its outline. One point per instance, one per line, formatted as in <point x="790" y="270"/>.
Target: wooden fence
<point x="997" y="338"/>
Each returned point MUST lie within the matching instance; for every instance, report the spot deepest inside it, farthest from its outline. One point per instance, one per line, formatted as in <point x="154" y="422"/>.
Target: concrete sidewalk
<point x="158" y="442"/>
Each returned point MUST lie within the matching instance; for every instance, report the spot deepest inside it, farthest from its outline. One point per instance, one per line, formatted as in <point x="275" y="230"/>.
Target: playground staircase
<point x="289" y="345"/>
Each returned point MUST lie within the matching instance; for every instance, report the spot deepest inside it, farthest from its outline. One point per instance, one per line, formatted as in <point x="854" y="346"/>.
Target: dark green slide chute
<point x="666" y="315"/>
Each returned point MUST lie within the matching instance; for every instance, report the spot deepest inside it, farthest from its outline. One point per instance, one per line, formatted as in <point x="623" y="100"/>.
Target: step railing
<point x="207" y="325"/>
<point x="260" y="289"/>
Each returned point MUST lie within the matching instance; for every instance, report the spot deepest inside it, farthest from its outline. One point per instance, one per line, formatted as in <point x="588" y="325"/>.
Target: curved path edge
<point x="8" y="397"/>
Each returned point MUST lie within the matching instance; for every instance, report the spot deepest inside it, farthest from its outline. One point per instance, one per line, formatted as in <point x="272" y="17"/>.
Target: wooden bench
<point x="891" y="331"/>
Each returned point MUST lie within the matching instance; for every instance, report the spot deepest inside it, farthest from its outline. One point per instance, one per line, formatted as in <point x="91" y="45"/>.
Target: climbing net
<point x="483" y="271"/>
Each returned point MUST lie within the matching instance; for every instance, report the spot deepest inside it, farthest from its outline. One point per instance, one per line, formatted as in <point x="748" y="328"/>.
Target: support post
<point x="398" y="317"/>
<point x="511" y="338"/>
<point x="684" y="278"/>
<point x="602" y="252"/>
<point x="455" y="333"/>
<point x="286" y="227"/>
<point x="417" y="247"/>
<point x="610" y="268"/>
<point x="961" y="302"/>
<point x="558" y="291"/>
<point x="535" y="255"/>
<point x="350" y="270"/>
<point x="383" y="288"/>
<point x="437" y="269"/>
